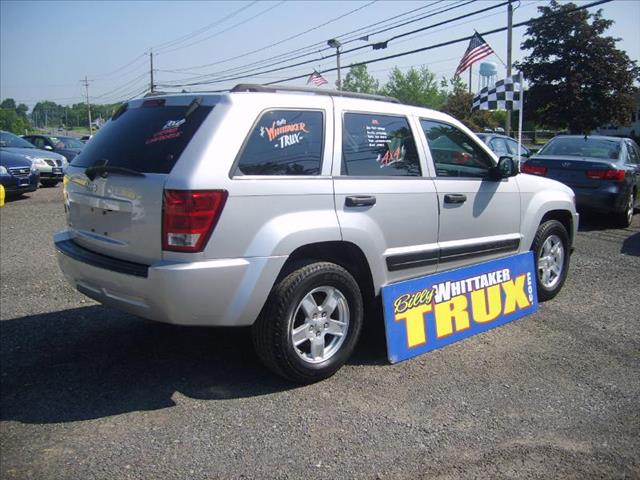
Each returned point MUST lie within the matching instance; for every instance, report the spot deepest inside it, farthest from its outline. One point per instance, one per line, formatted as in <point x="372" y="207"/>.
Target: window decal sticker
<point x="392" y="150"/>
<point x="170" y="130"/>
<point x="283" y="135"/>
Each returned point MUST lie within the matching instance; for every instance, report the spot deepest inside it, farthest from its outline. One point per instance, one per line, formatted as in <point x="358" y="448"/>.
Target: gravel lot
<point x="88" y="392"/>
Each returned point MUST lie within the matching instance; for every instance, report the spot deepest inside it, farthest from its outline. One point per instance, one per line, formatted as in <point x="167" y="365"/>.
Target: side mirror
<point x="48" y="147"/>
<point x="506" y="168"/>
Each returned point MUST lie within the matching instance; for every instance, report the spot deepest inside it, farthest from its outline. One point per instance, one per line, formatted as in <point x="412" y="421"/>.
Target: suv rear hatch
<point x="114" y="191"/>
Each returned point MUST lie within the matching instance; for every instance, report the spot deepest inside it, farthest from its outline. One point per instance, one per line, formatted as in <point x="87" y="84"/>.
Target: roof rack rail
<point x="254" y="87"/>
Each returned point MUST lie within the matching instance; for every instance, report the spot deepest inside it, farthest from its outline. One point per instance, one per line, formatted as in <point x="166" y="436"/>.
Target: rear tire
<point x="310" y="324"/>
<point x="551" y="251"/>
<point x="623" y="219"/>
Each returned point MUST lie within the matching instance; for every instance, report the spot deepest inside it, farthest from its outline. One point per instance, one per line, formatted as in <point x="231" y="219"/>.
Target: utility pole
<point x="85" y="82"/>
<point x="507" y="126"/>
<point x="151" y="85"/>
<point x="334" y="43"/>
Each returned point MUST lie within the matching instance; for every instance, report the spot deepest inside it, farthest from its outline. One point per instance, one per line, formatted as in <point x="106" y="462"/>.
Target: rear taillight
<point x="611" y="174"/>
<point x="533" y="169"/>
<point x="189" y="217"/>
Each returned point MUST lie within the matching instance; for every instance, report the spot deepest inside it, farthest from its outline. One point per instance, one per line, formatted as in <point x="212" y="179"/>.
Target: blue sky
<point x="47" y="47"/>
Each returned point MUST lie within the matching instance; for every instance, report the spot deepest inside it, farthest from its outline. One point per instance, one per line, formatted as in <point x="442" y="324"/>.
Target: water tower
<point x="488" y="74"/>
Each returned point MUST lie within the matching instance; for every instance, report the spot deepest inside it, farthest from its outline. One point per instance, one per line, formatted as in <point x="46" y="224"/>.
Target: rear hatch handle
<point x="104" y="170"/>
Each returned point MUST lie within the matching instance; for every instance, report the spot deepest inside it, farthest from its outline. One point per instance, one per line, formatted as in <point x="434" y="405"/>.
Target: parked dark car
<point x="503" y="145"/>
<point x="604" y="172"/>
<point x="67" y="146"/>
<point x="51" y="165"/>
<point x="17" y="174"/>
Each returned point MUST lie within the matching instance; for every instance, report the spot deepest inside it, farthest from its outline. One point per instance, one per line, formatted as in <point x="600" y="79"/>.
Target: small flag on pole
<point x="476" y="51"/>
<point x="316" y="79"/>
<point x="504" y="95"/>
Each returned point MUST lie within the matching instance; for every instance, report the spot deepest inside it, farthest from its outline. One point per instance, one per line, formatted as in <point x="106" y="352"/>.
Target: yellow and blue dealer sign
<point x="430" y="312"/>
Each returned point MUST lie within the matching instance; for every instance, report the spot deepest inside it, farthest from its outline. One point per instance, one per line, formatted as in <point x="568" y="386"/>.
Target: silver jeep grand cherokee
<point x="288" y="209"/>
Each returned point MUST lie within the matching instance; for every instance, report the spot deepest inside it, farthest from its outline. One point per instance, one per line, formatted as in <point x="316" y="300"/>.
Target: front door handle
<point x="455" y="198"/>
<point x="360" y="201"/>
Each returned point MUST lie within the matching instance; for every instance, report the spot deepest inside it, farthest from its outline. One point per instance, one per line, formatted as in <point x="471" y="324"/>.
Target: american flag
<point x="316" y="79"/>
<point x="477" y="50"/>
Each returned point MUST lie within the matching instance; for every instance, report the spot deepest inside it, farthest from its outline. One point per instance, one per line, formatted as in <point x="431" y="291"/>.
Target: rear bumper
<point x="605" y="199"/>
<point x="223" y="292"/>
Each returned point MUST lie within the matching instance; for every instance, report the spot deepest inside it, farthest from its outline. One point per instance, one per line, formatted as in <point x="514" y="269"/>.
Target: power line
<point x="227" y="29"/>
<point x="123" y="86"/>
<point x="188" y="36"/>
<point x="310" y="50"/>
<point x="451" y="42"/>
<point x="277" y="43"/>
<point x="253" y="73"/>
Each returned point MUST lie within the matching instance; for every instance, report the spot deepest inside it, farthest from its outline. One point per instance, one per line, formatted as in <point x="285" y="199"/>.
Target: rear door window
<point x="376" y="145"/>
<point x="284" y="142"/>
<point x="148" y="139"/>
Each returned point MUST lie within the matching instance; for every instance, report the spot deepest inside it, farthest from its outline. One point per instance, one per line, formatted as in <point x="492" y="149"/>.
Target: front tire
<point x="310" y="324"/>
<point x="551" y="251"/>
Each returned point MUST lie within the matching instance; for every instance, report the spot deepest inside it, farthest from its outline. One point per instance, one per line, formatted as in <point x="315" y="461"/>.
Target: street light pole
<point x="334" y="43"/>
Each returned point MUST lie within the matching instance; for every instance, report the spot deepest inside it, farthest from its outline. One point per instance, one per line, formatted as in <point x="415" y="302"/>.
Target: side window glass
<point x="454" y="153"/>
<point x="632" y="155"/>
<point x="38" y="142"/>
<point x="284" y="142"/>
<point x="513" y="148"/>
<point x="499" y="146"/>
<point x="378" y="145"/>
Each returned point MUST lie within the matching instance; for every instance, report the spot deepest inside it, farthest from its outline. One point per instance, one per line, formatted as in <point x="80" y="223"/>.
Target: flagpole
<point x="520" y="120"/>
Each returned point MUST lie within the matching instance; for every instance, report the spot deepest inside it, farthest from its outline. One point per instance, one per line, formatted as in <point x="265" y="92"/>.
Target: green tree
<point x="416" y="87"/>
<point x="359" y="80"/>
<point x="578" y="78"/>
<point x="11" y="121"/>
<point x="9" y="103"/>
<point x="13" y="118"/>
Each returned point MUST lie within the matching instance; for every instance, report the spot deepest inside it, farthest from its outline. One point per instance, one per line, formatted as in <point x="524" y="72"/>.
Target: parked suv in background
<point x="290" y="211"/>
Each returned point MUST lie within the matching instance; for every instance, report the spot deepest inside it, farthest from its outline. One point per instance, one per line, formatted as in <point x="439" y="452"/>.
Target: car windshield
<point x="66" y="142"/>
<point x="10" y="140"/>
<point x="583" y="147"/>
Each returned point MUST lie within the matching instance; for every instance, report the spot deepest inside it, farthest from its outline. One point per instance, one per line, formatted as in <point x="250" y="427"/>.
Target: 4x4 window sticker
<point x="395" y="148"/>
<point x="235" y="172"/>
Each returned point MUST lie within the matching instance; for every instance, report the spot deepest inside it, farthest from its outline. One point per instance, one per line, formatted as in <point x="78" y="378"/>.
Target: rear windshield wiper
<point x="95" y="170"/>
<point x="193" y="106"/>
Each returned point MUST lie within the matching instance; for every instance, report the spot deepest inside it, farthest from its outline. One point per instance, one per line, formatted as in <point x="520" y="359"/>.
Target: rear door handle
<point x="360" y="201"/>
<point x="455" y="198"/>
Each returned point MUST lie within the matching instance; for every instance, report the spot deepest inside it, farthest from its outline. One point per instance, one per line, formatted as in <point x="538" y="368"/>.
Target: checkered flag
<point x="504" y="95"/>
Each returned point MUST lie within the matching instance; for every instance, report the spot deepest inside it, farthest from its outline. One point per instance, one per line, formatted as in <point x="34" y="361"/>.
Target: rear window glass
<point x="284" y="142"/>
<point x="583" y="147"/>
<point x="145" y="139"/>
<point x="378" y="146"/>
